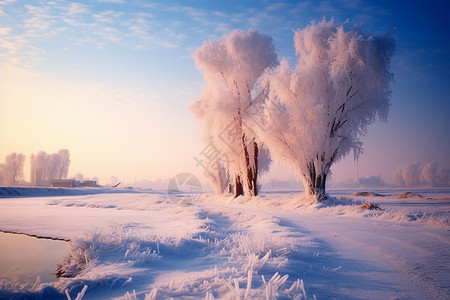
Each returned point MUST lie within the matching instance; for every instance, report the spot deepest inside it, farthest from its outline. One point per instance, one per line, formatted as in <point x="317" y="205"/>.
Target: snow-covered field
<point x="139" y="244"/>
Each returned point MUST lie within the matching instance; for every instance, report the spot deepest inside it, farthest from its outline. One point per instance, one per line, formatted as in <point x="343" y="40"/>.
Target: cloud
<point x="17" y="54"/>
<point x="148" y="26"/>
<point x="108" y="16"/>
<point x="10" y="45"/>
<point x="40" y="18"/>
<point x="112" y="1"/>
<point x="220" y="14"/>
<point x="276" y="6"/>
<point x="222" y="27"/>
<point x="145" y="30"/>
<point x="76" y="9"/>
<point x="4" y="30"/>
<point x="111" y="34"/>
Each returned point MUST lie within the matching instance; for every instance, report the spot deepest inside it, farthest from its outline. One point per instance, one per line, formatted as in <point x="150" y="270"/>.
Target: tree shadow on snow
<point x="327" y="274"/>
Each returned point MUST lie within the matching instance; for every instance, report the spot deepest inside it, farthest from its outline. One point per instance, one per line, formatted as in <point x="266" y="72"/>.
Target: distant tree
<point x="415" y="174"/>
<point x="231" y="67"/>
<point x="64" y="157"/>
<point x="2" y="175"/>
<point x="12" y="170"/>
<point x="435" y="175"/>
<point x="53" y="167"/>
<point x="79" y="177"/>
<point x="408" y="175"/>
<point x="340" y="84"/>
<point x="47" y="167"/>
<point x="39" y="168"/>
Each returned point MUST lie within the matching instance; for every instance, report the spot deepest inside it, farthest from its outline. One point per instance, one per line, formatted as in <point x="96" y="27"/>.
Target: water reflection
<point x="23" y="258"/>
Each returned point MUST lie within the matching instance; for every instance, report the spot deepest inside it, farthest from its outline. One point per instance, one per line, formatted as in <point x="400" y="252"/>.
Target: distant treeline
<point x="416" y="174"/>
<point x="43" y="168"/>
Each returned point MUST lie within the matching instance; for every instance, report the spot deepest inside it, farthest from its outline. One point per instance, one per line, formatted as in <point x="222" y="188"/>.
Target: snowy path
<point x="145" y="243"/>
<point x="383" y="260"/>
<point x="361" y="258"/>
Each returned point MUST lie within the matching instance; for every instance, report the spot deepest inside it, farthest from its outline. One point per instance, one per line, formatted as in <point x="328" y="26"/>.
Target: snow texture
<point x="274" y="246"/>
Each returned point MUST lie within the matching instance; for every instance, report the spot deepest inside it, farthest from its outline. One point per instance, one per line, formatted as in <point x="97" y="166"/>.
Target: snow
<point x="139" y="244"/>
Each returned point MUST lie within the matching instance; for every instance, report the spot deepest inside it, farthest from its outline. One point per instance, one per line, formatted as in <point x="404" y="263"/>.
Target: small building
<point x="63" y="183"/>
<point x="89" y="183"/>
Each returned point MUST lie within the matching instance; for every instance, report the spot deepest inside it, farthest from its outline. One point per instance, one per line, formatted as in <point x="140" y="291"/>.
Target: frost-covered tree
<point x="47" y="167"/>
<point x="39" y="168"/>
<point x="339" y="86"/>
<point x="64" y="156"/>
<point x="415" y="174"/>
<point x="53" y="166"/>
<point x="231" y="67"/>
<point x="2" y="175"/>
<point x="12" y="170"/>
<point x="435" y="175"/>
<point x="408" y="175"/>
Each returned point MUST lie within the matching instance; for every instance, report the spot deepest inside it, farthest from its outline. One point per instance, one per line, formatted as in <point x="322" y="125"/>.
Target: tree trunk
<point x="255" y="172"/>
<point x="251" y="173"/>
<point x="315" y="186"/>
<point x="238" y="187"/>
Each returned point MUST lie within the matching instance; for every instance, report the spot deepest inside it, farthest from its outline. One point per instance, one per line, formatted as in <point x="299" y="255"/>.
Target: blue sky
<point x="112" y="80"/>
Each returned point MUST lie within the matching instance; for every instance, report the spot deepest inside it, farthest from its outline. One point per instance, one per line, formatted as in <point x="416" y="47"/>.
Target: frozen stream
<point x="23" y="258"/>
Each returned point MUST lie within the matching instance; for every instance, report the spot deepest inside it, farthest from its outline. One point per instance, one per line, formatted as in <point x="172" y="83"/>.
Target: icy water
<point x="23" y="258"/>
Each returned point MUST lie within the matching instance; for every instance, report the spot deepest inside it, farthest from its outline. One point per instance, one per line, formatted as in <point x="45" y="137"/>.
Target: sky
<point x="113" y="80"/>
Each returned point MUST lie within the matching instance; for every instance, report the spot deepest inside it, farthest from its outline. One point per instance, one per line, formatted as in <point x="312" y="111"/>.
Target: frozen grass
<point x="232" y="247"/>
<point x="391" y="207"/>
<point x="88" y="249"/>
<point x="80" y="295"/>
<point x="238" y="247"/>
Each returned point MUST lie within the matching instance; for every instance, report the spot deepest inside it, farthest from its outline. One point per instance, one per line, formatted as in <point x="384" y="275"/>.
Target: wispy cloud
<point x="77" y="9"/>
<point x="74" y="23"/>
<point x="108" y="16"/>
<point x="39" y="18"/>
<point x="220" y="14"/>
<point x="112" y="1"/>
<point x="143" y="25"/>
<point x="276" y="6"/>
<point x="4" y="30"/>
